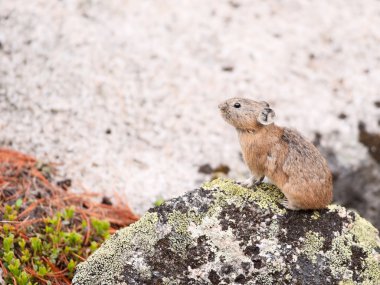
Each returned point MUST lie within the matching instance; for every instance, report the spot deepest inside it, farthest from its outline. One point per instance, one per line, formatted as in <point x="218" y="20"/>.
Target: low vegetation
<point x="45" y="230"/>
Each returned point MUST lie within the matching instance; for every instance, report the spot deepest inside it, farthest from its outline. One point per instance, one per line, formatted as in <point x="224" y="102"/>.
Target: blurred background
<point x="123" y="94"/>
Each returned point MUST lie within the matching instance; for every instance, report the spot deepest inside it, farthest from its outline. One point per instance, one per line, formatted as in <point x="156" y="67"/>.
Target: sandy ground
<point x="125" y="93"/>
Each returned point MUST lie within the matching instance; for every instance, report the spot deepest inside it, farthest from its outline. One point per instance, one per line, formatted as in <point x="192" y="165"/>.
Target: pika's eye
<point x="237" y="105"/>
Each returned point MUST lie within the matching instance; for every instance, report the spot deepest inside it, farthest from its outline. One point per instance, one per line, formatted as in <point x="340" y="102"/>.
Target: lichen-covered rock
<point x="223" y="233"/>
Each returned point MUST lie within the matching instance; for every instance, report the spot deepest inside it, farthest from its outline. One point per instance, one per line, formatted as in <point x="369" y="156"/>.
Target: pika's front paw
<point x="251" y="182"/>
<point x="259" y="181"/>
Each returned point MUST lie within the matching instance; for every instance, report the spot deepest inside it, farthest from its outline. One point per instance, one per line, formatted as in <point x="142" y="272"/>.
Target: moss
<point x="312" y="245"/>
<point x="266" y="196"/>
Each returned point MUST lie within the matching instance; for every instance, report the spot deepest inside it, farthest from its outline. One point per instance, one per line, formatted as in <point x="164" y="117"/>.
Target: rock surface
<point x="360" y="189"/>
<point x="223" y="233"/>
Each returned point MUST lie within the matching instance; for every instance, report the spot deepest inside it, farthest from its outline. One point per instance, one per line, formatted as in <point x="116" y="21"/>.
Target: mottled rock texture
<point x="223" y="233"/>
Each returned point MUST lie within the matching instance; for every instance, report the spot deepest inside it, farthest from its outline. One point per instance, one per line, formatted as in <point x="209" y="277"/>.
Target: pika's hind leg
<point x="296" y="198"/>
<point x="289" y="205"/>
<point x="251" y="182"/>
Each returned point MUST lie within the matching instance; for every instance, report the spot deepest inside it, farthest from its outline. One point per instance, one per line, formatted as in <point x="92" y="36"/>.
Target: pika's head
<point x="246" y="114"/>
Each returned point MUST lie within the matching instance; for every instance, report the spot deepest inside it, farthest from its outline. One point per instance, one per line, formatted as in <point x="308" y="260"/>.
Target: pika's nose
<point x="222" y="106"/>
<point x="268" y="110"/>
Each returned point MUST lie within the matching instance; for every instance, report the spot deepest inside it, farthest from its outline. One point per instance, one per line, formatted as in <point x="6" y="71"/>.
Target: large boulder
<point x="223" y="233"/>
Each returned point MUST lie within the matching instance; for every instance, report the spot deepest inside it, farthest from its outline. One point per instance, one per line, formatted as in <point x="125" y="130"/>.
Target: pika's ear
<point x="266" y="116"/>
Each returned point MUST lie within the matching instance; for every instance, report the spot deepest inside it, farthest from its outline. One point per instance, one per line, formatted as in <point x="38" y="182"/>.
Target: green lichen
<point x="266" y="196"/>
<point x="371" y="273"/>
<point x="231" y="193"/>
<point x="142" y="235"/>
<point x="180" y="222"/>
<point x="365" y="234"/>
<point x="339" y="256"/>
<point x="265" y="278"/>
<point x="273" y="230"/>
<point x="360" y="234"/>
<point x="312" y="245"/>
<point x="341" y="211"/>
<point x="346" y="282"/>
<point x="276" y="265"/>
<point x="316" y="215"/>
<point x="167" y="281"/>
<point x="222" y="242"/>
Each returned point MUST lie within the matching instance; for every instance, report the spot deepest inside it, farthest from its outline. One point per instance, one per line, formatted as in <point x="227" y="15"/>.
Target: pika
<point x="291" y="162"/>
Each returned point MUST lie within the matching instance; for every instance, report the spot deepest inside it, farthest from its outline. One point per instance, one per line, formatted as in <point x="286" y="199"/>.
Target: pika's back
<point x="303" y="158"/>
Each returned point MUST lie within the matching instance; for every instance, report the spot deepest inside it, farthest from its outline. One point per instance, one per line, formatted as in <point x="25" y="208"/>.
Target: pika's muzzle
<point x="223" y="106"/>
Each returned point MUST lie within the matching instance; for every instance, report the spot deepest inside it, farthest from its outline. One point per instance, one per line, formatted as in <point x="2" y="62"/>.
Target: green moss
<point x="312" y="245"/>
<point x="266" y="196"/>
<point x="159" y="202"/>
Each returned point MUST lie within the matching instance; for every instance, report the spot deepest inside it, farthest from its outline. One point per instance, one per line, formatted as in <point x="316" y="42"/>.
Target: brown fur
<point x="283" y="155"/>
